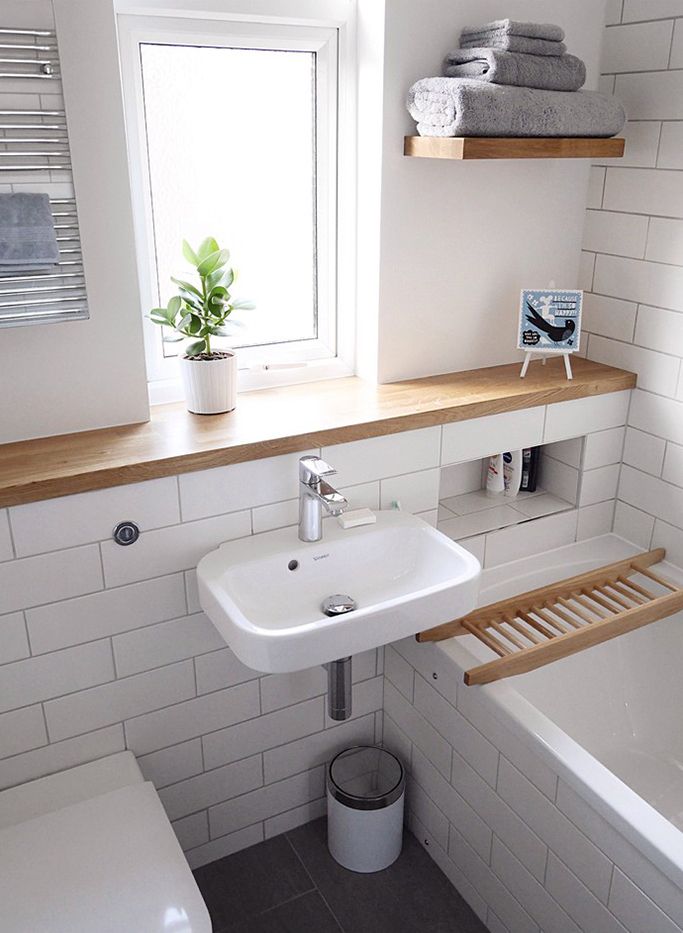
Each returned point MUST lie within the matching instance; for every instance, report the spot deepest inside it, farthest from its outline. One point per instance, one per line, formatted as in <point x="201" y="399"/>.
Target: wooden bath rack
<point x="554" y="621"/>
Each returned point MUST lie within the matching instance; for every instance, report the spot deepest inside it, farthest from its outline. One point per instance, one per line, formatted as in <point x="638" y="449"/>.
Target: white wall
<point x="370" y="102"/>
<point x="634" y="255"/>
<point x="57" y="378"/>
<point x="444" y="246"/>
<point x="459" y="240"/>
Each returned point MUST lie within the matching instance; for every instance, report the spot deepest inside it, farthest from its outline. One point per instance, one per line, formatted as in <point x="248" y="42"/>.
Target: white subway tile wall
<point x="595" y="520"/>
<point x="49" y="577"/>
<point x="481" y="437"/>
<point x="641" y="47"/>
<point x="60" y="523"/>
<point x="13" y="638"/>
<point x="6" y="548"/>
<point x="105" y="647"/>
<point x="524" y="850"/>
<point x="609" y="317"/>
<point x="22" y="729"/>
<point x="17" y="769"/>
<point x="634" y="228"/>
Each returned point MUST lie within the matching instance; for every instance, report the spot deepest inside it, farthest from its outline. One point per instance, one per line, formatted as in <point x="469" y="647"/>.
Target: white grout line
<point x="671" y="47"/>
<point x="11" y="535"/>
<point x="113" y="658"/>
<point x="179" y="497"/>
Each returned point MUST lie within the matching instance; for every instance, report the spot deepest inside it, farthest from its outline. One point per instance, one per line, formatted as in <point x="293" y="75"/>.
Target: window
<point x="233" y="132"/>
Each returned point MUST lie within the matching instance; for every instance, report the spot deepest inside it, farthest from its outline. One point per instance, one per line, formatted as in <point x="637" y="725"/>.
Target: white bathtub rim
<point x="635" y="819"/>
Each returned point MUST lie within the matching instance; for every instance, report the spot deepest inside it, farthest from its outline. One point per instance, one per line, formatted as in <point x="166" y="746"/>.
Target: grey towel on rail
<point x="550" y="73"/>
<point x="466" y="107"/>
<point x="522" y="44"/>
<point x="511" y="27"/>
<point x="27" y="233"/>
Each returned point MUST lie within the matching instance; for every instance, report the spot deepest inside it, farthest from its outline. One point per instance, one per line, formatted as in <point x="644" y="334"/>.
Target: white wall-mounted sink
<point x="264" y="594"/>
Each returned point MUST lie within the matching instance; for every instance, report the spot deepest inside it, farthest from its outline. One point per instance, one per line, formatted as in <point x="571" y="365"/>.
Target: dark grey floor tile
<point x="411" y="896"/>
<point x="305" y="914"/>
<point x="250" y="882"/>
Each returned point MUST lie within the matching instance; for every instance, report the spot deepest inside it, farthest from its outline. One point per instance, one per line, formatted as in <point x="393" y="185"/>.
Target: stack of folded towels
<point x="512" y="79"/>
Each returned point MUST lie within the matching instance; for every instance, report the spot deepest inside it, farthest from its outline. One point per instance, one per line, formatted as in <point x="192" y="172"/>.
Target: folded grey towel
<point x="466" y="107"/>
<point x="511" y="27"/>
<point x="550" y="73"/>
<point x="27" y="233"/>
<point x="521" y="44"/>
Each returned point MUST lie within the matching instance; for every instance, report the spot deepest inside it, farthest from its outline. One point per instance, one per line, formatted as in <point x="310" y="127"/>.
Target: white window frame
<point x="332" y="354"/>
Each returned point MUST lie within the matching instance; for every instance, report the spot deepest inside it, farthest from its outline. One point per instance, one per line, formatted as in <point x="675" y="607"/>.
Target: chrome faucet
<point x="314" y="493"/>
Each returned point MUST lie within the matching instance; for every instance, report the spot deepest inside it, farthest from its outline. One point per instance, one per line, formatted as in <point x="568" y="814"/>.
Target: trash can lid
<point x="365" y="777"/>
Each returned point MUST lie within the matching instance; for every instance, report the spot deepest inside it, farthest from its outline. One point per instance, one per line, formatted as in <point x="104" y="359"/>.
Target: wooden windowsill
<point x="282" y="420"/>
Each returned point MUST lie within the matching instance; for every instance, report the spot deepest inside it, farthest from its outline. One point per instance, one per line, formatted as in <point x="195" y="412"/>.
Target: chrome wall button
<point x="126" y="533"/>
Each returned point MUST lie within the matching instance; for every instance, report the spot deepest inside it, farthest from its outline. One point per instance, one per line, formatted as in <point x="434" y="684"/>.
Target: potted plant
<point x="200" y="312"/>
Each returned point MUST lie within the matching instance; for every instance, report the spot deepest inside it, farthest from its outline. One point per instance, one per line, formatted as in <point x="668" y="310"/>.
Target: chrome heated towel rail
<point x="35" y="155"/>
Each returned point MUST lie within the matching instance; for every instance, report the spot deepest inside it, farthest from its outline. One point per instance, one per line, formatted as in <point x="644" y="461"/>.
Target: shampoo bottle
<point x="512" y="472"/>
<point x="495" y="484"/>
<point x="530" y="458"/>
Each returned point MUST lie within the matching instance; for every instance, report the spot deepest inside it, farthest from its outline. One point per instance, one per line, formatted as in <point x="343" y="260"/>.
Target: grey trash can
<point x="365" y="798"/>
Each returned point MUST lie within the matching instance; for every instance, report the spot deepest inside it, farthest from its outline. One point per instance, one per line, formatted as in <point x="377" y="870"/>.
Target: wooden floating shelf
<point x="489" y="147"/>
<point x="554" y="621"/>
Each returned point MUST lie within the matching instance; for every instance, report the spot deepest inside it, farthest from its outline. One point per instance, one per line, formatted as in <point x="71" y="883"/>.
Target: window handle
<point x="260" y="367"/>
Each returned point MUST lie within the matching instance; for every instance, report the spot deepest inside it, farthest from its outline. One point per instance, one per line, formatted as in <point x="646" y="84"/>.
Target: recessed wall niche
<point x="466" y="510"/>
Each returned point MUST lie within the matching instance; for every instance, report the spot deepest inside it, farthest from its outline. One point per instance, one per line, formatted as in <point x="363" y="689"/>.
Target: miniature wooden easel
<point x="544" y="355"/>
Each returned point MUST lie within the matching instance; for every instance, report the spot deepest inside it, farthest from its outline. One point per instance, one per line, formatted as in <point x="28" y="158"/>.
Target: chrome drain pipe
<point x="339" y="672"/>
<point x="339" y="692"/>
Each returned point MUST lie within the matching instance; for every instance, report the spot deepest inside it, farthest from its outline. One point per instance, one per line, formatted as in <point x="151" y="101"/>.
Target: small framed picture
<point x="549" y="320"/>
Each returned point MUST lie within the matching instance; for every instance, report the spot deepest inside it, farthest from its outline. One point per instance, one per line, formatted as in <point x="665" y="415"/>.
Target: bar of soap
<point x="357" y="517"/>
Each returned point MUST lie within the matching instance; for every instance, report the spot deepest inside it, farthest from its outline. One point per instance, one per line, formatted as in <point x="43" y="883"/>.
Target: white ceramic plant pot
<point x="210" y="385"/>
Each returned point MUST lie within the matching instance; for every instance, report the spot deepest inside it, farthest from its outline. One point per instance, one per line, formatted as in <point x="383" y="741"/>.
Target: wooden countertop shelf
<point x="283" y="420"/>
<point x="489" y="147"/>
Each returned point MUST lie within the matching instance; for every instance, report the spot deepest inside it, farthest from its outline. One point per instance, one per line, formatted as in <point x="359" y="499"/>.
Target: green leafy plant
<point x="202" y="312"/>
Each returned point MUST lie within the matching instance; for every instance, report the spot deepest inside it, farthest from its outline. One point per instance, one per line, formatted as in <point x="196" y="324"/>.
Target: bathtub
<point x="608" y="721"/>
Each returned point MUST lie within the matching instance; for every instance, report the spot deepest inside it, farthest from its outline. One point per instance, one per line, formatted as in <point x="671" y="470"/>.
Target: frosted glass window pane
<point x="231" y="143"/>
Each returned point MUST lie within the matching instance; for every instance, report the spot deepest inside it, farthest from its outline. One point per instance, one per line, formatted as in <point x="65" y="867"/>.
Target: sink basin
<point x="264" y="594"/>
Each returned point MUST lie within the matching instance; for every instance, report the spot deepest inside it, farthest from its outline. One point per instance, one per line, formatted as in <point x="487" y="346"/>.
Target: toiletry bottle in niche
<point x="512" y="472"/>
<point x="534" y="468"/>
<point x="495" y="484"/>
<point x="530" y="460"/>
<point x="526" y="468"/>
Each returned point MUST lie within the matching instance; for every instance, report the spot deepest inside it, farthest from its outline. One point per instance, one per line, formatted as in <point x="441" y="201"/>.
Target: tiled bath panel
<point x="521" y="846"/>
<point x="105" y="647"/>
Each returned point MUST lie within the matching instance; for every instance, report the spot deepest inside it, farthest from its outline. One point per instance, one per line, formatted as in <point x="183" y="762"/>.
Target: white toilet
<point x="90" y="850"/>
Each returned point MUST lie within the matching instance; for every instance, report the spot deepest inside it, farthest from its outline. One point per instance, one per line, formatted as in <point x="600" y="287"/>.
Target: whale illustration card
<point x="550" y="320"/>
